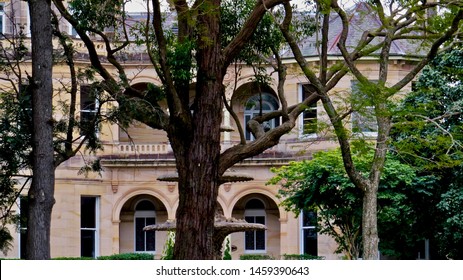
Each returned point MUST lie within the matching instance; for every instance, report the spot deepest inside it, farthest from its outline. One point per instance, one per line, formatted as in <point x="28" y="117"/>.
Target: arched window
<point x="255" y="241"/>
<point x="257" y="104"/>
<point x="145" y="215"/>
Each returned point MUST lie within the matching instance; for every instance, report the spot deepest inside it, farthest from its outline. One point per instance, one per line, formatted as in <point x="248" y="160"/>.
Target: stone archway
<point x="257" y="208"/>
<point x="139" y="211"/>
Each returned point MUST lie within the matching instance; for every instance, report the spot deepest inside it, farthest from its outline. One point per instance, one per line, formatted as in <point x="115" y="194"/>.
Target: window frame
<point x="95" y="229"/>
<point x="85" y="95"/>
<point x="23" y="205"/>
<point x="251" y="212"/>
<point x="303" y="228"/>
<point x="355" y="116"/>
<point x="2" y="18"/>
<point x="252" y="112"/>
<point x="302" y="119"/>
<point x="145" y="214"/>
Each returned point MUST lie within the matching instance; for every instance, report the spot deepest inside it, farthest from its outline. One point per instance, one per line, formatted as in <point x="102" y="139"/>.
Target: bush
<point x="168" y="252"/>
<point x="128" y="256"/>
<point x="301" y="257"/>
<point x="256" y="257"/>
<point x="72" y="258"/>
<point x="226" y="253"/>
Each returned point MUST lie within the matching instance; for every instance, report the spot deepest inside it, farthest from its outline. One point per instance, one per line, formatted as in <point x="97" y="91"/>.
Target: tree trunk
<point x="198" y="166"/>
<point x="198" y="179"/>
<point x="370" y="223"/>
<point x="42" y="189"/>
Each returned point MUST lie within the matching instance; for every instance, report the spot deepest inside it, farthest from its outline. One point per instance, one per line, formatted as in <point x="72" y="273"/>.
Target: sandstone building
<point x="103" y="215"/>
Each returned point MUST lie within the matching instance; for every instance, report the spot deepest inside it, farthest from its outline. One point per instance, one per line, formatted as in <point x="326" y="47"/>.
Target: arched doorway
<point x="257" y="208"/>
<point x="255" y="241"/>
<point x="136" y="213"/>
<point x="145" y="214"/>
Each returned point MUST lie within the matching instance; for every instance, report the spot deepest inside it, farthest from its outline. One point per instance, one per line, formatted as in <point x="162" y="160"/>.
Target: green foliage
<point x="128" y="256"/>
<point x="226" y="253"/>
<point x="256" y="257"/>
<point x="428" y="134"/>
<point x="15" y="154"/>
<point x="168" y="252"/>
<point x="428" y="129"/>
<point x="6" y="240"/>
<point x="322" y="185"/>
<point x="233" y="15"/>
<point x="450" y="234"/>
<point x="301" y="257"/>
<point x="97" y="15"/>
<point x="123" y="256"/>
<point x="179" y="57"/>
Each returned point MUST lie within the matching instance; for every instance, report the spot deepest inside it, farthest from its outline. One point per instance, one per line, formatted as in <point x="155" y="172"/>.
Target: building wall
<point x="134" y="175"/>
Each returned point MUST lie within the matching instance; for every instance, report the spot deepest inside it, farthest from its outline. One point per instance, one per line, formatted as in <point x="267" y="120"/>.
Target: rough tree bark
<point x="41" y="192"/>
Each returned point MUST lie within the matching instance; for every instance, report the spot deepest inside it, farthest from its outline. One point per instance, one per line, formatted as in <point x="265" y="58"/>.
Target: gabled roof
<point x="361" y="18"/>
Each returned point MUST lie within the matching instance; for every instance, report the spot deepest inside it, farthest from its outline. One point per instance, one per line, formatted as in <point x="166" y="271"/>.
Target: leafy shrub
<point x="168" y="252"/>
<point x="128" y="256"/>
<point x="73" y="258"/>
<point x="226" y="253"/>
<point x="301" y="257"/>
<point x="256" y="257"/>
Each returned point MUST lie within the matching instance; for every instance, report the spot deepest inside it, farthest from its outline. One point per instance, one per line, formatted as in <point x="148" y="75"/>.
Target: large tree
<point x="428" y="134"/>
<point x="17" y="123"/>
<point x="388" y="22"/>
<point x="41" y="192"/>
<point x="197" y="51"/>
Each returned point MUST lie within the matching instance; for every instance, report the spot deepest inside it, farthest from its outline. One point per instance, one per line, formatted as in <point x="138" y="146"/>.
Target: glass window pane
<point x="87" y="101"/>
<point x="87" y="212"/>
<point x="23" y="213"/>
<point x="139" y="234"/>
<point x="247" y="118"/>
<point x="249" y="219"/>
<point x="309" y="219"/>
<point x="249" y="240"/>
<point x="23" y="244"/>
<point x="87" y="243"/>
<point x="363" y="117"/>
<point x="260" y="239"/>
<point x="310" y="242"/>
<point x="145" y="205"/>
<point x="260" y="220"/>
<point x="307" y="90"/>
<point x="255" y="204"/>
<point x="150" y="240"/>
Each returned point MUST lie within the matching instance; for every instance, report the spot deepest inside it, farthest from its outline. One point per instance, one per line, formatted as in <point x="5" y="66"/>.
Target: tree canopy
<point x="322" y="185"/>
<point x="428" y="135"/>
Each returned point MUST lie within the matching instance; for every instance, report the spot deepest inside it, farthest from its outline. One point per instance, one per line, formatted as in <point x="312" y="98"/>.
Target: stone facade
<point x="134" y="160"/>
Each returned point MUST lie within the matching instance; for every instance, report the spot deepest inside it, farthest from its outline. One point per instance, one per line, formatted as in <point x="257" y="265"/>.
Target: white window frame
<point x="95" y="111"/>
<point x="301" y="116"/>
<point x="251" y="113"/>
<point x="2" y="15"/>
<point x="72" y="31"/>
<point x="256" y="213"/>
<point x="21" y="229"/>
<point x="356" y="115"/>
<point x="96" y="229"/>
<point x="143" y="214"/>
<point x="303" y="228"/>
